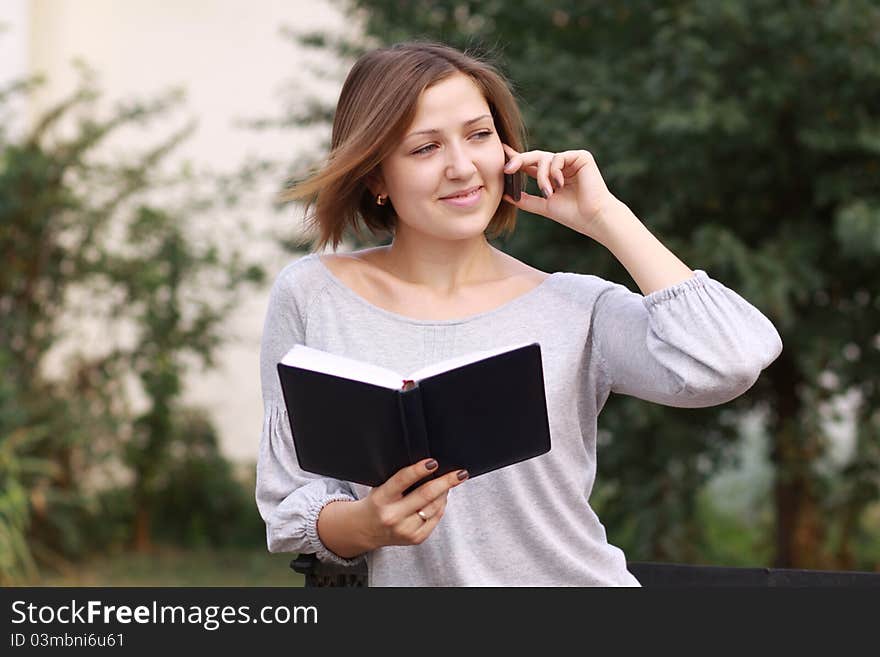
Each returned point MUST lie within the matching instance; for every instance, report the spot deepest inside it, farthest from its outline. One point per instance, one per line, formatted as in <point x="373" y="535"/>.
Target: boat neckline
<point x="412" y="320"/>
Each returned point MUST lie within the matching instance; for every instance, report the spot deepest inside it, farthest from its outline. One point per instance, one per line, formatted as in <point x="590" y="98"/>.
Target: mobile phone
<point x="513" y="185"/>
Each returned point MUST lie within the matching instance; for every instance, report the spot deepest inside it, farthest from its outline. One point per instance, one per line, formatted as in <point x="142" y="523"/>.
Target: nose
<point x="459" y="162"/>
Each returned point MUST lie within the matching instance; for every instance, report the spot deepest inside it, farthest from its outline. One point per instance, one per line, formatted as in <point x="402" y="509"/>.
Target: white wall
<point x="14" y="56"/>
<point x="233" y="62"/>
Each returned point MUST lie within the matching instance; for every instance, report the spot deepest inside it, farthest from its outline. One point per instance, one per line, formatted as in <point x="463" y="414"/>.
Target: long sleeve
<point x="289" y="499"/>
<point x="690" y="345"/>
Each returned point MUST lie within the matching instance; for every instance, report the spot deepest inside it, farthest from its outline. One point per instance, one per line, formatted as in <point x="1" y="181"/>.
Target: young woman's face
<point x="462" y="153"/>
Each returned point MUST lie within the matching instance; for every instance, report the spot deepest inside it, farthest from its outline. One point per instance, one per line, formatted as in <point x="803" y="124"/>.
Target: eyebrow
<point x="435" y="131"/>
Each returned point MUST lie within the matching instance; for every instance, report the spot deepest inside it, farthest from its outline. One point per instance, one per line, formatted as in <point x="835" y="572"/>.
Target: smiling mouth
<point x="468" y="195"/>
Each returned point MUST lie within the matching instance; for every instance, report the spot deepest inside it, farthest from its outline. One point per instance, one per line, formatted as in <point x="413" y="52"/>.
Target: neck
<point x="443" y="266"/>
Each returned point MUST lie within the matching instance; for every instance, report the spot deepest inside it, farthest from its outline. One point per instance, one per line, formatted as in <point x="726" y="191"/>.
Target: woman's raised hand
<point x="574" y="192"/>
<point x="392" y="518"/>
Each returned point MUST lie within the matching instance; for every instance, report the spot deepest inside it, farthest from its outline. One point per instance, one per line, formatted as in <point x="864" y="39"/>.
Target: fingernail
<point x="547" y="192"/>
<point x="508" y="167"/>
<point x="462" y="475"/>
<point x="430" y="465"/>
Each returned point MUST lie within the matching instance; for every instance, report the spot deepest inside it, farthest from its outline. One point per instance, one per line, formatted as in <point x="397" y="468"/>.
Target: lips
<point x="463" y="192"/>
<point x="471" y="199"/>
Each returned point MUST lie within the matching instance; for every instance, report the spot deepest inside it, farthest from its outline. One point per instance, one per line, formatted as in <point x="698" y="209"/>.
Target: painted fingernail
<point x="430" y="465"/>
<point x="547" y="192"/>
<point x="462" y="475"/>
<point x="508" y="167"/>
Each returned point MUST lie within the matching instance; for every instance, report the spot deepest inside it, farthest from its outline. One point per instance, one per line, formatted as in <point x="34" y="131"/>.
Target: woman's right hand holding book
<point x="386" y="516"/>
<point x="392" y="518"/>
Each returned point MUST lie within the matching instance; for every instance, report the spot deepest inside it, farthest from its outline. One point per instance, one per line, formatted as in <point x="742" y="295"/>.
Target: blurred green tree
<point x="84" y="238"/>
<point x="745" y="135"/>
<point x="166" y="293"/>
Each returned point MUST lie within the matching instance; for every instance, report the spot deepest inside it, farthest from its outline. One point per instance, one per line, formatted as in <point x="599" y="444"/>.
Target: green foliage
<point x="197" y="500"/>
<point x="157" y="281"/>
<point x="114" y="242"/>
<point x="15" y="557"/>
<point x="744" y="134"/>
<point x="200" y="502"/>
<point x="173" y="566"/>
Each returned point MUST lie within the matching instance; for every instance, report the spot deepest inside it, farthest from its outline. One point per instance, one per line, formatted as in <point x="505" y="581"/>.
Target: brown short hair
<point x="376" y="105"/>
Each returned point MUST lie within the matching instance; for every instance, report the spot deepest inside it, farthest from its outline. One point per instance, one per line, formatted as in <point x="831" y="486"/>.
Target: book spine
<point x="412" y="420"/>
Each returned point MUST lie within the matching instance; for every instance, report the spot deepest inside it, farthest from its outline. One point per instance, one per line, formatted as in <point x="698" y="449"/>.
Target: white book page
<point x="347" y="368"/>
<point x="458" y="361"/>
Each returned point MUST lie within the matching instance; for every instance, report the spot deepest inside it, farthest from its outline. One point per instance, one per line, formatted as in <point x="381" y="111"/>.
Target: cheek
<point x="416" y="182"/>
<point x="494" y="162"/>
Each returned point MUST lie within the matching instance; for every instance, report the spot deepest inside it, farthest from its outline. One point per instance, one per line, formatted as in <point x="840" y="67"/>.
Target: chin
<point x="446" y="225"/>
<point x="464" y="227"/>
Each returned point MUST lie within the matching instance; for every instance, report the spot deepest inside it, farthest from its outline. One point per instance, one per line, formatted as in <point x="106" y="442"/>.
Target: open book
<point x="358" y="422"/>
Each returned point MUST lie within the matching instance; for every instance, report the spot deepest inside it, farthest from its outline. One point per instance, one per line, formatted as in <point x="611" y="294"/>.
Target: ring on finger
<point x="423" y="515"/>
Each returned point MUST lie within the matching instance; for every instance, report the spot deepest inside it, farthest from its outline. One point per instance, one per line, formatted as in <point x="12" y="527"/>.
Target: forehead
<point x="450" y="101"/>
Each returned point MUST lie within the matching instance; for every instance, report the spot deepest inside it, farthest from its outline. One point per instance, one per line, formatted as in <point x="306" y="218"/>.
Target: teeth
<point x="466" y="195"/>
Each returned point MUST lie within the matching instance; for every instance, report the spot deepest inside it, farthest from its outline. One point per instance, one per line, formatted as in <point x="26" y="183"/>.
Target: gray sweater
<point x="693" y="344"/>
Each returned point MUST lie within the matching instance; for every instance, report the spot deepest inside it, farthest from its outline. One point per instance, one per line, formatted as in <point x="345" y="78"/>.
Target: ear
<point x="375" y="182"/>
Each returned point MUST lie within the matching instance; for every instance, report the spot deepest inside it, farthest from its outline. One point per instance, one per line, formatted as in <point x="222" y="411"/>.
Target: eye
<point x="483" y="134"/>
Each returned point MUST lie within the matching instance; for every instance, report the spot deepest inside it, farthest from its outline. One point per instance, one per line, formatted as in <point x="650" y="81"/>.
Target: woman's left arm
<point x="689" y="341"/>
<point x="576" y="196"/>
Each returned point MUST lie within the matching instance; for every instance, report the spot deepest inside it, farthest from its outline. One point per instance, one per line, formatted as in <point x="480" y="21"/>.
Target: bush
<point x="200" y="502"/>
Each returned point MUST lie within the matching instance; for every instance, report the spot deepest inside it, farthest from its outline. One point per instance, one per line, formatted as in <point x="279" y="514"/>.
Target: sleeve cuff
<point x="695" y="282"/>
<point x="321" y="551"/>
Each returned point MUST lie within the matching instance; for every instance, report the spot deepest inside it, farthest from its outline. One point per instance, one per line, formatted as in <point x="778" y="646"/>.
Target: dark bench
<point x="650" y="574"/>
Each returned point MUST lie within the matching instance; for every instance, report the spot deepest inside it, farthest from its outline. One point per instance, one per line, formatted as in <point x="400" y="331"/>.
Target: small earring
<point x="380" y="200"/>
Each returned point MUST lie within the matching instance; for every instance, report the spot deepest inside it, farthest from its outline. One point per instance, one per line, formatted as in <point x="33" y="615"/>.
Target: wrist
<point x="651" y="265"/>
<point x="612" y="218"/>
<point x="340" y="528"/>
<point x="358" y="519"/>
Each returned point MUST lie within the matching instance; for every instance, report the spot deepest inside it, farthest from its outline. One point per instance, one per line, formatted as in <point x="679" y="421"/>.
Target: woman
<point x="422" y="137"/>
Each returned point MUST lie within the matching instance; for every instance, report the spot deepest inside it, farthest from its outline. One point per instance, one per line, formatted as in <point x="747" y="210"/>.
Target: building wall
<point x="234" y="64"/>
<point x="14" y="55"/>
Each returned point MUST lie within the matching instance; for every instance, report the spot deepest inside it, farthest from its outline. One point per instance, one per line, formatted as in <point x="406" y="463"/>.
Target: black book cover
<point x="480" y="416"/>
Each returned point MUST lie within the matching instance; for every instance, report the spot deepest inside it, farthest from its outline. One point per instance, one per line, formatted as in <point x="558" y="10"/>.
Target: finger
<point x="406" y="477"/>
<point x="415" y="527"/>
<point x="573" y="161"/>
<point x="421" y="529"/>
<point x="433" y="512"/>
<point x="536" y="165"/>
<point x="556" y="166"/>
<point x="430" y="510"/>
<point x="544" y="176"/>
<point x="512" y="162"/>
<point x="531" y="170"/>
<point x="533" y="158"/>
<point x="530" y="203"/>
<point x="430" y="491"/>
